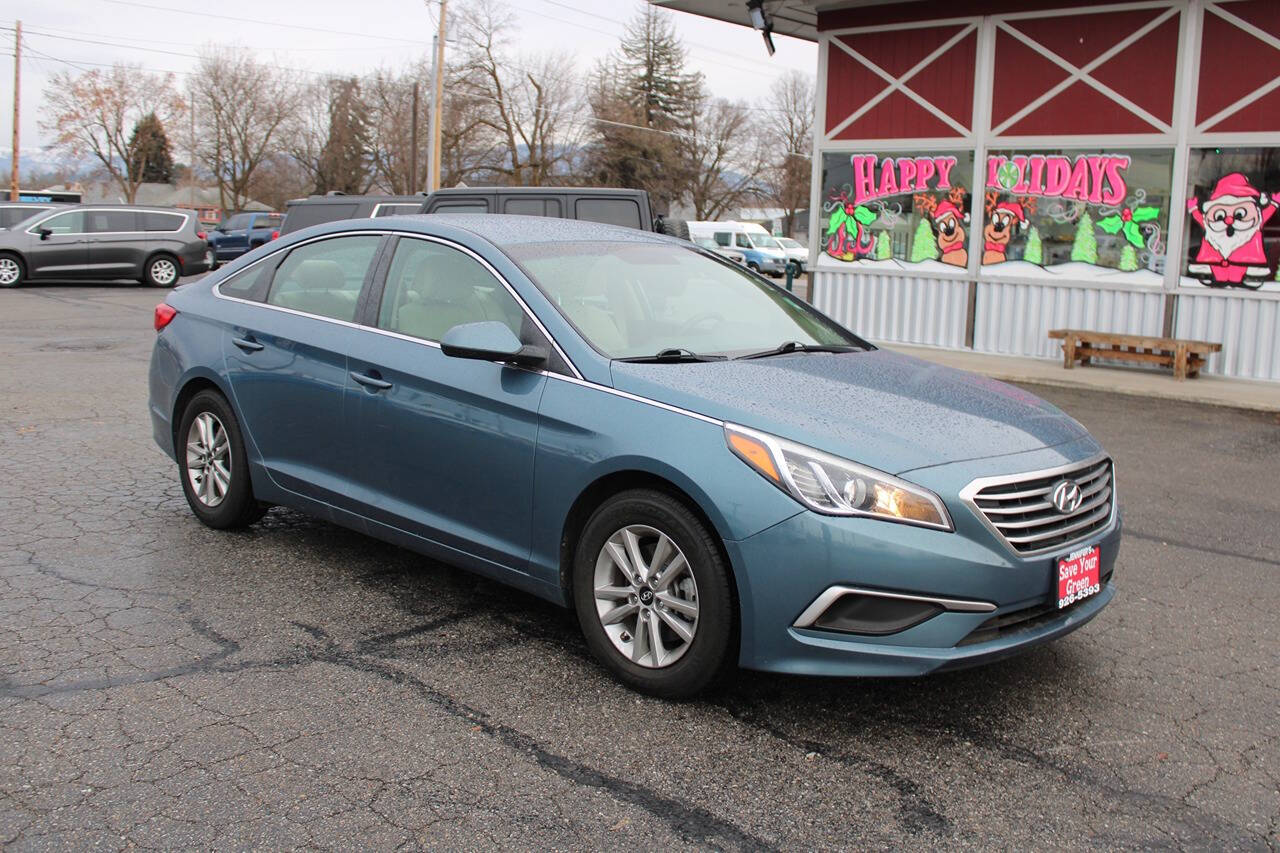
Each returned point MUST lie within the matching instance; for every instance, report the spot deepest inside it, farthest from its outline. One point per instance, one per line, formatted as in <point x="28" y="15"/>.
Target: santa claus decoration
<point x="1231" y="253"/>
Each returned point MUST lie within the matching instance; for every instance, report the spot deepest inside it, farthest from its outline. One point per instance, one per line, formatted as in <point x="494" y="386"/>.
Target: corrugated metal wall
<point x="1014" y="318"/>
<point x="900" y="308"/>
<point x="1246" y="327"/>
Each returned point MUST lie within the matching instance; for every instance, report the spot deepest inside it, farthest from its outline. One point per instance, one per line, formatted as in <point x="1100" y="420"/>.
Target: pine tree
<point x="150" y="160"/>
<point x="344" y="162"/>
<point x="1034" y="251"/>
<point x="883" y="251"/>
<point x="1085" y="247"/>
<point x="645" y="85"/>
<point x="924" y="246"/>
<point x="1128" y="259"/>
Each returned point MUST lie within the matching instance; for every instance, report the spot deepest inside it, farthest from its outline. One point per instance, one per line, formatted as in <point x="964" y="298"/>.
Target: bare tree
<point x="241" y="107"/>
<point x="389" y="97"/>
<point x="530" y="103"/>
<point x="725" y="157"/>
<point x="96" y="112"/>
<point x="789" y="130"/>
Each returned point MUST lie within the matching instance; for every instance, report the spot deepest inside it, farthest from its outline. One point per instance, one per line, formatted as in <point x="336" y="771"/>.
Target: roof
<point x="503" y="229"/>
<point x="798" y="18"/>
<point x="163" y="195"/>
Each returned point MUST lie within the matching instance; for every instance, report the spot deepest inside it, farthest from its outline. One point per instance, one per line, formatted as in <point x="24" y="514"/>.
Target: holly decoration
<point x="1127" y="221"/>
<point x="847" y="211"/>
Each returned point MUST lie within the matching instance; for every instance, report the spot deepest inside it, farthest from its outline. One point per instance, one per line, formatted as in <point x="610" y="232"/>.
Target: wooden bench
<point x="1185" y="357"/>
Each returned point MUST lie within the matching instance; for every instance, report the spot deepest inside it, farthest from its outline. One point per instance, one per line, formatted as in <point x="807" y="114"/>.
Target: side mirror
<point x="45" y="233"/>
<point x="490" y="341"/>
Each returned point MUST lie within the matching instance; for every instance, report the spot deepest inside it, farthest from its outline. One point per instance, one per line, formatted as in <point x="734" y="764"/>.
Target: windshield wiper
<point x="672" y="355"/>
<point x="795" y="346"/>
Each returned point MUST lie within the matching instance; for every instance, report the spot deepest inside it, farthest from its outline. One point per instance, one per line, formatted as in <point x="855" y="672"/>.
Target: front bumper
<point x="783" y="570"/>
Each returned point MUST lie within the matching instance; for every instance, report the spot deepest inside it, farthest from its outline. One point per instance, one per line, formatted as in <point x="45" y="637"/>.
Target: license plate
<point x="1079" y="576"/>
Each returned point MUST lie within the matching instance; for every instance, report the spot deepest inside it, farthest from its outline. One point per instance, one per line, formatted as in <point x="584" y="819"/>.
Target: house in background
<point x="987" y="170"/>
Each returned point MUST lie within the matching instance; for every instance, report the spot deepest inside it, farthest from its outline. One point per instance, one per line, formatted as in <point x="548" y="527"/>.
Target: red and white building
<point x="987" y="171"/>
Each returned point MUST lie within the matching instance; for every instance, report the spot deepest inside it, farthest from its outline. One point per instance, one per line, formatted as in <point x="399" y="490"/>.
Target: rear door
<point x="447" y="443"/>
<point x="117" y="247"/>
<point x="525" y="205"/>
<point x="62" y="252"/>
<point x="287" y="363"/>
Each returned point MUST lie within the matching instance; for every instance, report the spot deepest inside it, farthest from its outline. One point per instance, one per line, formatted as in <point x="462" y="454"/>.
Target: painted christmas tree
<point x="924" y="246"/>
<point x="1085" y="247"/>
<point x="1128" y="259"/>
<point x="1034" y="252"/>
<point x="883" y="250"/>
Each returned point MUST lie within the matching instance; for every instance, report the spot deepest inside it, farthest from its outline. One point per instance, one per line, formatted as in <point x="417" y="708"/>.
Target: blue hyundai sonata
<point x="709" y="471"/>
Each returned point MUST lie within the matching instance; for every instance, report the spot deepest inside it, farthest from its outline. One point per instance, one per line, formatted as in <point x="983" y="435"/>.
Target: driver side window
<point x="743" y="242"/>
<point x="71" y="222"/>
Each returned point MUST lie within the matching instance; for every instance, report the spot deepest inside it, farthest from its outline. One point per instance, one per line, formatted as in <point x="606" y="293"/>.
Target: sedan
<point x="706" y="469"/>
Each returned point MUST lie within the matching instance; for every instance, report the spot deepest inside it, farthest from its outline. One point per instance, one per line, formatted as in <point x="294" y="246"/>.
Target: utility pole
<point x="17" y="90"/>
<point x="413" y="144"/>
<point x="438" y="74"/>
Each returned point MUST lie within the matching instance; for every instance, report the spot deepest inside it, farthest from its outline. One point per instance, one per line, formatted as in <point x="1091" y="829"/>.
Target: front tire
<point x="213" y="465"/>
<point x="653" y="596"/>
<point x="161" y="271"/>
<point x="12" y="272"/>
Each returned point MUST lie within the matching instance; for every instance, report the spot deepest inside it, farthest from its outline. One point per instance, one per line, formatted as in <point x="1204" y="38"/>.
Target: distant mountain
<point x="38" y="161"/>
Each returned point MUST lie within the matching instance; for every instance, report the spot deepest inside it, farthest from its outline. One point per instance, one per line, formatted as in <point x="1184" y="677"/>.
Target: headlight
<point x="835" y="486"/>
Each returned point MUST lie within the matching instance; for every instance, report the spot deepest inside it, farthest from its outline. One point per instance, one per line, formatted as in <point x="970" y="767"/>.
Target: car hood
<point x="883" y="409"/>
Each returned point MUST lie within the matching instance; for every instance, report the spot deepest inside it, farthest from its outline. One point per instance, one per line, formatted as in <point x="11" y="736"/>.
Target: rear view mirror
<point x="490" y="341"/>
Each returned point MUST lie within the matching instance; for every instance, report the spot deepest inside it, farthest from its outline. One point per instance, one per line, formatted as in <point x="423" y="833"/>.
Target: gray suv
<point x="154" y="245"/>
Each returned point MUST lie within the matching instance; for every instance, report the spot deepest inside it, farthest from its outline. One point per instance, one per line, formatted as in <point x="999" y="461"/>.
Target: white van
<point x="762" y="252"/>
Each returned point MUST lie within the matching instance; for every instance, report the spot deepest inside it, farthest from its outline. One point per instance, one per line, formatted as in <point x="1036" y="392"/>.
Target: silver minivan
<point x="154" y="245"/>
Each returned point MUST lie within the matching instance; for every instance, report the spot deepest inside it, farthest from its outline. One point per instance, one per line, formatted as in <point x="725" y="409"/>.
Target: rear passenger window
<point x="722" y="238"/>
<point x="610" y="211"/>
<point x="110" y="221"/>
<point x="532" y="206"/>
<point x="150" y="221"/>
<point x="432" y="288"/>
<point x="325" y="277"/>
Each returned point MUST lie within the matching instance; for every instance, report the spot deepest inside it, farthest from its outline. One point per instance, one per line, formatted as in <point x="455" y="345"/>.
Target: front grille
<point x="1018" y="508"/>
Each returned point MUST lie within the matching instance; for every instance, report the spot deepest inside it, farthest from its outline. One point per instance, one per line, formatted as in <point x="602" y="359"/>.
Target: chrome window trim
<point x="969" y="493"/>
<point x="637" y="398"/>
<point x="184" y="215"/>
<point x="831" y="594"/>
<point x="217" y="290"/>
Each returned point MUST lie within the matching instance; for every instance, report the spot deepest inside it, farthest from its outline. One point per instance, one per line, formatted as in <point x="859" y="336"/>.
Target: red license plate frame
<point x="1079" y="575"/>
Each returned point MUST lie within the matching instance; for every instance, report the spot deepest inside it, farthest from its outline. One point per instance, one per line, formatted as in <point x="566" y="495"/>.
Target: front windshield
<point x="788" y="243"/>
<point x="639" y="299"/>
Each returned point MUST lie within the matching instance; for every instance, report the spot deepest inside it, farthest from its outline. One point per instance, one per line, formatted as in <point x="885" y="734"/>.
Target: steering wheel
<point x="699" y="319"/>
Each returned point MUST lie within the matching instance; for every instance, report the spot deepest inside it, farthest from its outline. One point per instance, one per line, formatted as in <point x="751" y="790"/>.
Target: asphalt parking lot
<point x="164" y="685"/>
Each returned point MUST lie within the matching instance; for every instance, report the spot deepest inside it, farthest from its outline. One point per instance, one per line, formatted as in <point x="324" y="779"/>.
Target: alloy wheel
<point x="10" y="272"/>
<point x="208" y="459"/>
<point x="646" y="596"/>
<point x="164" y="271"/>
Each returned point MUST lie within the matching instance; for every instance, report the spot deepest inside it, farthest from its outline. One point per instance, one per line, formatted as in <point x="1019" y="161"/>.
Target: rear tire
<point x="162" y="271"/>
<point x="681" y="591"/>
<point x="212" y="464"/>
<point x="12" y="271"/>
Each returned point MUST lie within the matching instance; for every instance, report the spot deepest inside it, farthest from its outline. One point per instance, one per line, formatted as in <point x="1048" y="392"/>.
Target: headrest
<point x="446" y="279"/>
<point x="320" y="275"/>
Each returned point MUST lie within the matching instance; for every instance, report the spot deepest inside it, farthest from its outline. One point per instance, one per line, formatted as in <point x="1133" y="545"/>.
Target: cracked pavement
<point x="164" y="685"/>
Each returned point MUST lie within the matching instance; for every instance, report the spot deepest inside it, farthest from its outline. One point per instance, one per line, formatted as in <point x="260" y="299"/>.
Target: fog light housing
<point x="875" y="616"/>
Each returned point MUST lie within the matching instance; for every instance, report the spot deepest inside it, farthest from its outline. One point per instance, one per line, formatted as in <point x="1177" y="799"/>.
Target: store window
<point x="1232" y="232"/>
<point x="1077" y="215"/>
<point x="897" y="211"/>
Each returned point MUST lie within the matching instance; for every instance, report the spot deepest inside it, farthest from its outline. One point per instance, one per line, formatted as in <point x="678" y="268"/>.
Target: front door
<point x="64" y="250"/>
<point x="446" y="444"/>
<point x="287" y="364"/>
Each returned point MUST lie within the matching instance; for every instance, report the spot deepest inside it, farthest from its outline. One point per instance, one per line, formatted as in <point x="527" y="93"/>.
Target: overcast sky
<point x="347" y="37"/>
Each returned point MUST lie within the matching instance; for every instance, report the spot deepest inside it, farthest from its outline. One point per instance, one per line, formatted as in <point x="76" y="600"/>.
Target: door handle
<point x="247" y="344"/>
<point x="370" y="381"/>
